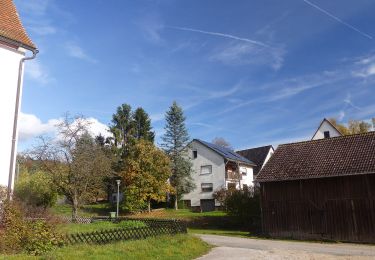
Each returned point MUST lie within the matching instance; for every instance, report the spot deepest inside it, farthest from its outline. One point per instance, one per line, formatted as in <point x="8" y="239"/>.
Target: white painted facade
<point x="270" y="153"/>
<point x="326" y="127"/>
<point x="208" y="157"/>
<point x="9" y="67"/>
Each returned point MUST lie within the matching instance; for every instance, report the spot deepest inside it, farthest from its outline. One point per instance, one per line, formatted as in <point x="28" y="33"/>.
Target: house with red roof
<point x="15" y="48"/>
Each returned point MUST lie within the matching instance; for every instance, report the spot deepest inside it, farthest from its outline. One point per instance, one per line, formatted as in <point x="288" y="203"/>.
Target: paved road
<point x="245" y="248"/>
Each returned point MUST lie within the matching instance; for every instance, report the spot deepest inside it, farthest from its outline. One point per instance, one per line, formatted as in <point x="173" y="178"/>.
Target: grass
<point x="185" y="214"/>
<point x="99" y="209"/>
<point x="96" y="226"/>
<point x="103" y="209"/>
<point x="221" y="232"/>
<point x="177" y="247"/>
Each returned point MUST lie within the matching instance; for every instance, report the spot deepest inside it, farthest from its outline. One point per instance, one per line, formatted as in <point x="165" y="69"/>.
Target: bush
<point x="242" y="204"/>
<point x="36" y="189"/>
<point x="21" y="235"/>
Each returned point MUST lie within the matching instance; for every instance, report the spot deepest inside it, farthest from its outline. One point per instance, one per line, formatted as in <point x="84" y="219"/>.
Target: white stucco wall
<point x="205" y="157"/>
<point x="270" y="153"/>
<point x="9" y="63"/>
<point x="325" y="126"/>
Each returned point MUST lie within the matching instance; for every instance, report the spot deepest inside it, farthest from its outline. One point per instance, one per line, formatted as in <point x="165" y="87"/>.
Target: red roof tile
<point x="330" y="157"/>
<point x="11" y="26"/>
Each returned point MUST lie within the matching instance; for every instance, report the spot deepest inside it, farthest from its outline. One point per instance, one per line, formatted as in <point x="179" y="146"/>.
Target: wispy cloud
<point x="36" y="7"/>
<point x="157" y="117"/>
<point x="36" y="71"/>
<point x="349" y="102"/>
<point x="288" y="88"/>
<point x="338" y="19"/>
<point x="151" y="26"/>
<point x="245" y="53"/>
<point x="42" y="28"/>
<point x="241" y="50"/>
<point x="37" y="16"/>
<point x="218" y="34"/>
<point x="202" y="95"/>
<point x="78" y="52"/>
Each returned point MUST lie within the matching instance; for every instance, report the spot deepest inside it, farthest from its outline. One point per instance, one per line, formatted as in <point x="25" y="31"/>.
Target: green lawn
<point x="99" y="209"/>
<point x="96" y="226"/>
<point x="221" y="232"/>
<point x="163" y="247"/>
<point x="186" y="213"/>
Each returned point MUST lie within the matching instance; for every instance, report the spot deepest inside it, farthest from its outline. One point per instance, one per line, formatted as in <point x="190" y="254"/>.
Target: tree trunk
<point x="176" y="202"/>
<point x="75" y="210"/>
<point x="149" y="205"/>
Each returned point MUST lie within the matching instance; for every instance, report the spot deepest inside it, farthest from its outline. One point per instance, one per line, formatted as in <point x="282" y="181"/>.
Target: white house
<point x="326" y="130"/>
<point x="215" y="167"/>
<point x="14" y="44"/>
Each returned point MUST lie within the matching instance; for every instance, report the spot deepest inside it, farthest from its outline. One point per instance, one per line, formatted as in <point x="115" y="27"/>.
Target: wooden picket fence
<point x="154" y="227"/>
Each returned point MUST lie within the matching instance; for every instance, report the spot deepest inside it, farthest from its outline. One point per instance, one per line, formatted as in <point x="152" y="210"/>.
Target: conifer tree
<point x="175" y="141"/>
<point x="142" y="124"/>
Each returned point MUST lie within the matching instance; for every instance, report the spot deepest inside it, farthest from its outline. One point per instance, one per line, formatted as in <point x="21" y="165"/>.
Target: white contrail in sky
<point x="221" y="35"/>
<point x="338" y="19"/>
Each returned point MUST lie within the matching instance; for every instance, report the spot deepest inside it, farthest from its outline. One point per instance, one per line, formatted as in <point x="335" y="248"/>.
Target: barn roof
<point x="257" y="155"/>
<point x="226" y="153"/>
<point x="330" y="157"/>
<point x="11" y="28"/>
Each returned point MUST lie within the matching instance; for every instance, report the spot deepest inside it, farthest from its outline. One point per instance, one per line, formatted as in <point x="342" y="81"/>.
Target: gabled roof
<point x="329" y="122"/>
<point x="257" y="155"/>
<point x="330" y="157"/>
<point x="11" y="28"/>
<point x="228" y="154"/>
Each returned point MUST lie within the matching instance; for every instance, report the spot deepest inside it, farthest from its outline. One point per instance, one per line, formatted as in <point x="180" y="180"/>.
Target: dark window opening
<point x="207" y="187"/>
<point x="195" y="154"/>
<point x="245" y="187"/>
<point x="326" y="134"/>
<point x="231" y="186"/>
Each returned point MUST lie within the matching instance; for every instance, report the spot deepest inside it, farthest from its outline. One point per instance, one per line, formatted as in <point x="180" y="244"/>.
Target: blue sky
<point x="254" y="72"/>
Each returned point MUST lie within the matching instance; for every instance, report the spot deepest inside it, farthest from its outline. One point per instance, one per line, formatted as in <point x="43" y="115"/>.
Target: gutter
<point x="15" y="120"/>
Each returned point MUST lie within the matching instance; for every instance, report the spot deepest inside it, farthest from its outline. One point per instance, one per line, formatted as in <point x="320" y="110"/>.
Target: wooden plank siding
<point x="334" y="208"/>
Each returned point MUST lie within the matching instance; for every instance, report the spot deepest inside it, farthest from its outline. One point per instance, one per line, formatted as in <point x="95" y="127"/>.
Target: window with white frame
<point x="243" y="170"/>
<point x="206" y="169"/>
<point x="207" y="187"/>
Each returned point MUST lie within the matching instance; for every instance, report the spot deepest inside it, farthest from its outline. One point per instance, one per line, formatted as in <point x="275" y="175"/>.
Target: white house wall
<point x="9" y="65"/>
<point x="246" y="179"/>
<point x="205" y="156"/>
<point x="325" y="126"/>
<point x="270" y="153"/>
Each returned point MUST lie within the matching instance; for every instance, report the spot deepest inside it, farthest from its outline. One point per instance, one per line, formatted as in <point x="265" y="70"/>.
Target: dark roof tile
<point x="226" y="153"/>
<point x="337" y="156"/>
<point x="257" y="155"/>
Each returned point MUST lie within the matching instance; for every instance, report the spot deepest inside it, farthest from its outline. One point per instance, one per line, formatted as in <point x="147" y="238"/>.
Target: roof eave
<point x="17" y="43"/>
<point x="315" y="177"/>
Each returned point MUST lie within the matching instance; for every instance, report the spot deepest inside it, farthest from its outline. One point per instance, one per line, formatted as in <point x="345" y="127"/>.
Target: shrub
<point x="36" y="189"/>
<point x="21" y="235"/>
<point x="242" y="204"/>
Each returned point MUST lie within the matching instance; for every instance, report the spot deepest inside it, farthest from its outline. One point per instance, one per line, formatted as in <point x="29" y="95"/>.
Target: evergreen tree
<point x="122" y="126"/>
<point x="175" y="140"/>
<point x="142" y="124"/>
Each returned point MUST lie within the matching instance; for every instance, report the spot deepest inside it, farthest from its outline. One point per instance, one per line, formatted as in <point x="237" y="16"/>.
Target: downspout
<point x="15" y="120"/>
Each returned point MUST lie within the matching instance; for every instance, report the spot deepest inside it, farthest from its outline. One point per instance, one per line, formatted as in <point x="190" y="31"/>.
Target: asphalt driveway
<point x="245" y="248"/>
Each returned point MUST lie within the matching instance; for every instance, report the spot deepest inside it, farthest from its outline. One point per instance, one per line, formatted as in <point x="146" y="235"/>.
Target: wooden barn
<point x="321" y="189"/>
